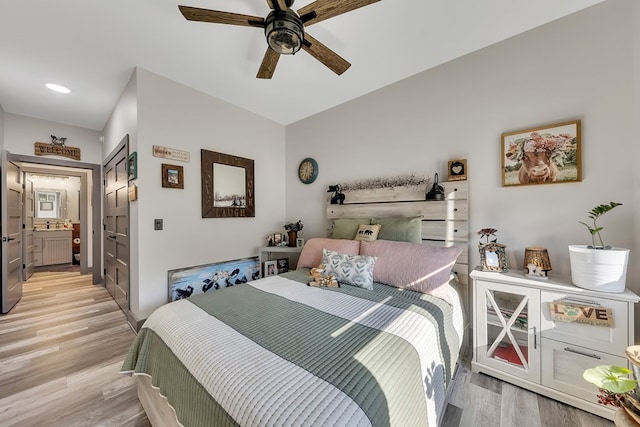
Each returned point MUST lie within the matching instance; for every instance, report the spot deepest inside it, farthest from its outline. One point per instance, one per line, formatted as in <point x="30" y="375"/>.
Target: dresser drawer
<point x="612" y="340"/>
<point x="563" y="365"/>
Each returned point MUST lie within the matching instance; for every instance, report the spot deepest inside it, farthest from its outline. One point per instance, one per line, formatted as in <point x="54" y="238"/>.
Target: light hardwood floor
<point x="61" y="349"/>
<point x="62" y="346"/>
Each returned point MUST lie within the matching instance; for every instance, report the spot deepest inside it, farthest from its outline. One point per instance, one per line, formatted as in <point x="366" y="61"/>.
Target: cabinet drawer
<point x="563" y="365"/>
<point x="612" y="340"/>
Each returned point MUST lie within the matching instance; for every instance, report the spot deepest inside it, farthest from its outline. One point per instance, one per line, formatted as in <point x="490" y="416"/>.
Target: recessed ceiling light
<point x="57" y="88"/>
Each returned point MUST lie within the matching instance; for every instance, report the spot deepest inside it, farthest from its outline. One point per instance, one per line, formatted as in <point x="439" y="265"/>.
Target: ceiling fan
<point x="284" y="29"/>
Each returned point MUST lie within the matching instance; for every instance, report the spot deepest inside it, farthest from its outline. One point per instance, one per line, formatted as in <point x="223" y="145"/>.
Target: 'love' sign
<point x="597" y="316"/>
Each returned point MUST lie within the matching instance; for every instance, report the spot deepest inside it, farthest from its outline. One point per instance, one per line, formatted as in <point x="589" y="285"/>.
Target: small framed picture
<point x="277" y="239"/>
<point x="132" y="162"/>
<point x="492" y="257"/>
<point x="458" y="170"/>
<point x="299" y="242"/>
<point x="172" y="176"/>
<point x="283" y="265"/>
<point x="270" y="268"/>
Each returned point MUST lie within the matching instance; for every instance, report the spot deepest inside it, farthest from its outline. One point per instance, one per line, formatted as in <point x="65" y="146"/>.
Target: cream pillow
<point x="367" y="232"/>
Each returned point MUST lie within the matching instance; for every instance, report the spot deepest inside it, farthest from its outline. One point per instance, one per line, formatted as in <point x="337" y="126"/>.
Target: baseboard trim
<point x="133" y="322"/>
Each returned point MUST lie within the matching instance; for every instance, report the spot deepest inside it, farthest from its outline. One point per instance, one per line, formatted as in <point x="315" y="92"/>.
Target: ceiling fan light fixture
<point x="284" y="31"/>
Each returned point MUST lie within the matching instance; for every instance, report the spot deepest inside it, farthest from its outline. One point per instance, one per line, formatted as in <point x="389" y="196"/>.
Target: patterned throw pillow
<point x="354" y="270"/>
<point x="367" y="233"/>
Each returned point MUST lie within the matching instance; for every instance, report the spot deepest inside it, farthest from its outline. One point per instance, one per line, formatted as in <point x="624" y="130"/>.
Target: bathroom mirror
<point x="51" y="204"/>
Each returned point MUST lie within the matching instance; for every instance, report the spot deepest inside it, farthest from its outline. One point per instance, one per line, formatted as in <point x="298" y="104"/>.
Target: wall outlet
<point x="157" y="224"/>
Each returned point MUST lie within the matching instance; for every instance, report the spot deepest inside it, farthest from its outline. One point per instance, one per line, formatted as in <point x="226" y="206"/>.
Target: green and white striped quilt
<point x="275" y="352"/>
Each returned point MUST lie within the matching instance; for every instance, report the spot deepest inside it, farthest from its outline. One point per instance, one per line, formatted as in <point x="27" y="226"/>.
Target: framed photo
<point x="172" y="176"/>
<point x="543" y="155"/>
<point x="458" y="170"/>
<point x="299" y="242"/>
<point x="277" y="238"/>
<point x="283" y="265"/>
<point x="492" y="257"/>
<point x="227" y="185"/>
<point x="46" y="206"/>
<point x="184" y="282"/>
<point x="132" y="163"/>
<point x="270" y="268"/>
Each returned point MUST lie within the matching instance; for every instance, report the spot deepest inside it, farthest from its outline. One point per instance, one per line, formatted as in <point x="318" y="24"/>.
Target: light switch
<point x="157" y="224"/>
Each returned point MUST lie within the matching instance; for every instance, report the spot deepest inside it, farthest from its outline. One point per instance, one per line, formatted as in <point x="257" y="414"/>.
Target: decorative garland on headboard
<point x="386" y="182"/>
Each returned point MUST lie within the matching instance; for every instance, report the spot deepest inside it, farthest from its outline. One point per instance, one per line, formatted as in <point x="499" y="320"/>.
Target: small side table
<point x="267" y="253"/>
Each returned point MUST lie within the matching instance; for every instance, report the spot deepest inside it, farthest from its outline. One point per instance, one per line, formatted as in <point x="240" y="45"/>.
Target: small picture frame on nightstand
<point x="270" y="268"/>
<point x="299" y="242"/>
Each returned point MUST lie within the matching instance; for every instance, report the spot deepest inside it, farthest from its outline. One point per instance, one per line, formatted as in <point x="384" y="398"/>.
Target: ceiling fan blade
<point x="329" y="8"/>
<point x="335" y="62"/>
<point x="218" y="17"/>
<point x="278" y="4"/>
<point x="268" y="65"/>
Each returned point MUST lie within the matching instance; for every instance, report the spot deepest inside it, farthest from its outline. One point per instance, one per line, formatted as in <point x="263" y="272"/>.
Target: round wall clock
<point x="308" y="170"/>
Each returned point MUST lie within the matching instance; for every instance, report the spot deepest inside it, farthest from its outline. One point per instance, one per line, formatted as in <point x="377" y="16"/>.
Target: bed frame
<point x="445" y="223"/>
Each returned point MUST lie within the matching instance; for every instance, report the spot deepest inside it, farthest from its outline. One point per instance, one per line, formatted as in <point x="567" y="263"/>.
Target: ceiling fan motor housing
<point x="284" y="31"/>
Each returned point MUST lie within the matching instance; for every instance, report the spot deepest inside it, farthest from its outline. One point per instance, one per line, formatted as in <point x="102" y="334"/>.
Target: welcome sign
<point x="597" y="316"/>
<point x="46" y="149"/>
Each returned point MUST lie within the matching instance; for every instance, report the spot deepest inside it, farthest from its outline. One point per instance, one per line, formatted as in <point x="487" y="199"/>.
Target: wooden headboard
<point x="444" y="223"/>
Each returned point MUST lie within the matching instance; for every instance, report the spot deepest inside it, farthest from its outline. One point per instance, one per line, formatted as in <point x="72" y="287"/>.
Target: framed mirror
<point x="50" y="204"/>
<point x="227" y="186"/>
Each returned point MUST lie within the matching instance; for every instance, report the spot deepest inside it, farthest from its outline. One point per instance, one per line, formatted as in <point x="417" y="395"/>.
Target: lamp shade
<point x="538" y="257"/>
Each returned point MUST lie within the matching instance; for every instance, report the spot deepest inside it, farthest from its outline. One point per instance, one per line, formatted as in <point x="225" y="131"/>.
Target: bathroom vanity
<point x="52" y="247"/>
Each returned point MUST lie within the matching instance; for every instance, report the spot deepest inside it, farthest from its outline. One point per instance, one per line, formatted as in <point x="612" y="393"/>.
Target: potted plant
<point x="292" y="228"/>
<point x="598" y="266"/>
<point x="615" y="388"/>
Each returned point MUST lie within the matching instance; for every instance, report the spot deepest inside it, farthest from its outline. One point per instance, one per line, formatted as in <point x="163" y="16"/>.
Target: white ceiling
<point x="92" y="47"/>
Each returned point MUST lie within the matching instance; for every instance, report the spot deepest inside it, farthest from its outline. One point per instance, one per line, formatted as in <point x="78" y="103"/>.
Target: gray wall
<point x="162" y="112"/>
<point x="578" y="67"/>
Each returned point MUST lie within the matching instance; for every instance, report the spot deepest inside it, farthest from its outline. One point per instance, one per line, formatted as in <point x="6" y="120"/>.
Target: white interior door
<point x="11" y="225"/>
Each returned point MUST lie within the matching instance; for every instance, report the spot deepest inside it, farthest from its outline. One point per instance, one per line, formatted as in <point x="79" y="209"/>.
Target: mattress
<point x="276" y="352"/>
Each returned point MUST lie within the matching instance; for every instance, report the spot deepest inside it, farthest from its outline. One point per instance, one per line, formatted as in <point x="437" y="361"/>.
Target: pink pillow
<point x="311" y="254"/>
<point x="413" y="266"/>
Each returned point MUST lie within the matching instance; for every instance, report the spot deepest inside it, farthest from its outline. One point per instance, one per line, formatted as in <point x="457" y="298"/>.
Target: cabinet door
<point x="507" y="329"/>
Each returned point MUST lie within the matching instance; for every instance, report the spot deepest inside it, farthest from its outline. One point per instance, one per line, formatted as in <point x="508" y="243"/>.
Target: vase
<point x="603" y="270"/>
<point x="293" y="236"/>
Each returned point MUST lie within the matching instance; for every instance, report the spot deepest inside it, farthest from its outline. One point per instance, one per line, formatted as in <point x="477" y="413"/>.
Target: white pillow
<point x="354" y="270"/>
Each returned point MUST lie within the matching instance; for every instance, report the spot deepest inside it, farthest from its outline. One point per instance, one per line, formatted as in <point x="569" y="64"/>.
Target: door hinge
<point x="24" y="226"/>
<point x="105" y="272"/>
<point x="24" y="266"/>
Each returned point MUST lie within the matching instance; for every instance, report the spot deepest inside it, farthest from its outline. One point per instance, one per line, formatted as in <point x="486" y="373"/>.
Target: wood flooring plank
<point x="519" y="407"/>
<point x="61" y="349"/>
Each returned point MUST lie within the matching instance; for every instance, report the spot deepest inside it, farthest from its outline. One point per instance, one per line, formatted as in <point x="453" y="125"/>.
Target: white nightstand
<point x="516" y="338"/>
<point x="268" y="253"/>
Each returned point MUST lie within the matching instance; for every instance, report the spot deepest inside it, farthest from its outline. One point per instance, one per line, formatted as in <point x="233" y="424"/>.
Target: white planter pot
<point x="598" y="269"/>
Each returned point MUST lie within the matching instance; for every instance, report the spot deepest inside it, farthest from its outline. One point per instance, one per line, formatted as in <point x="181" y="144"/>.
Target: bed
<point x="277" y="352"/>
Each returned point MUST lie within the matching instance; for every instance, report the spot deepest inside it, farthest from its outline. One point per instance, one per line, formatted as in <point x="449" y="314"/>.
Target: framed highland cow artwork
<point x="543" y="155"/>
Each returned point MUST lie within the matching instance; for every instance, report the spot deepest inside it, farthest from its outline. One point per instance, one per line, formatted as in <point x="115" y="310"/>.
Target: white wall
<point x="635" y="18"/>
<point x="1" y="128"/>
<point x="579" y="67"/>
<point x="22" y="132"/>
<point x="175" y="116"/>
